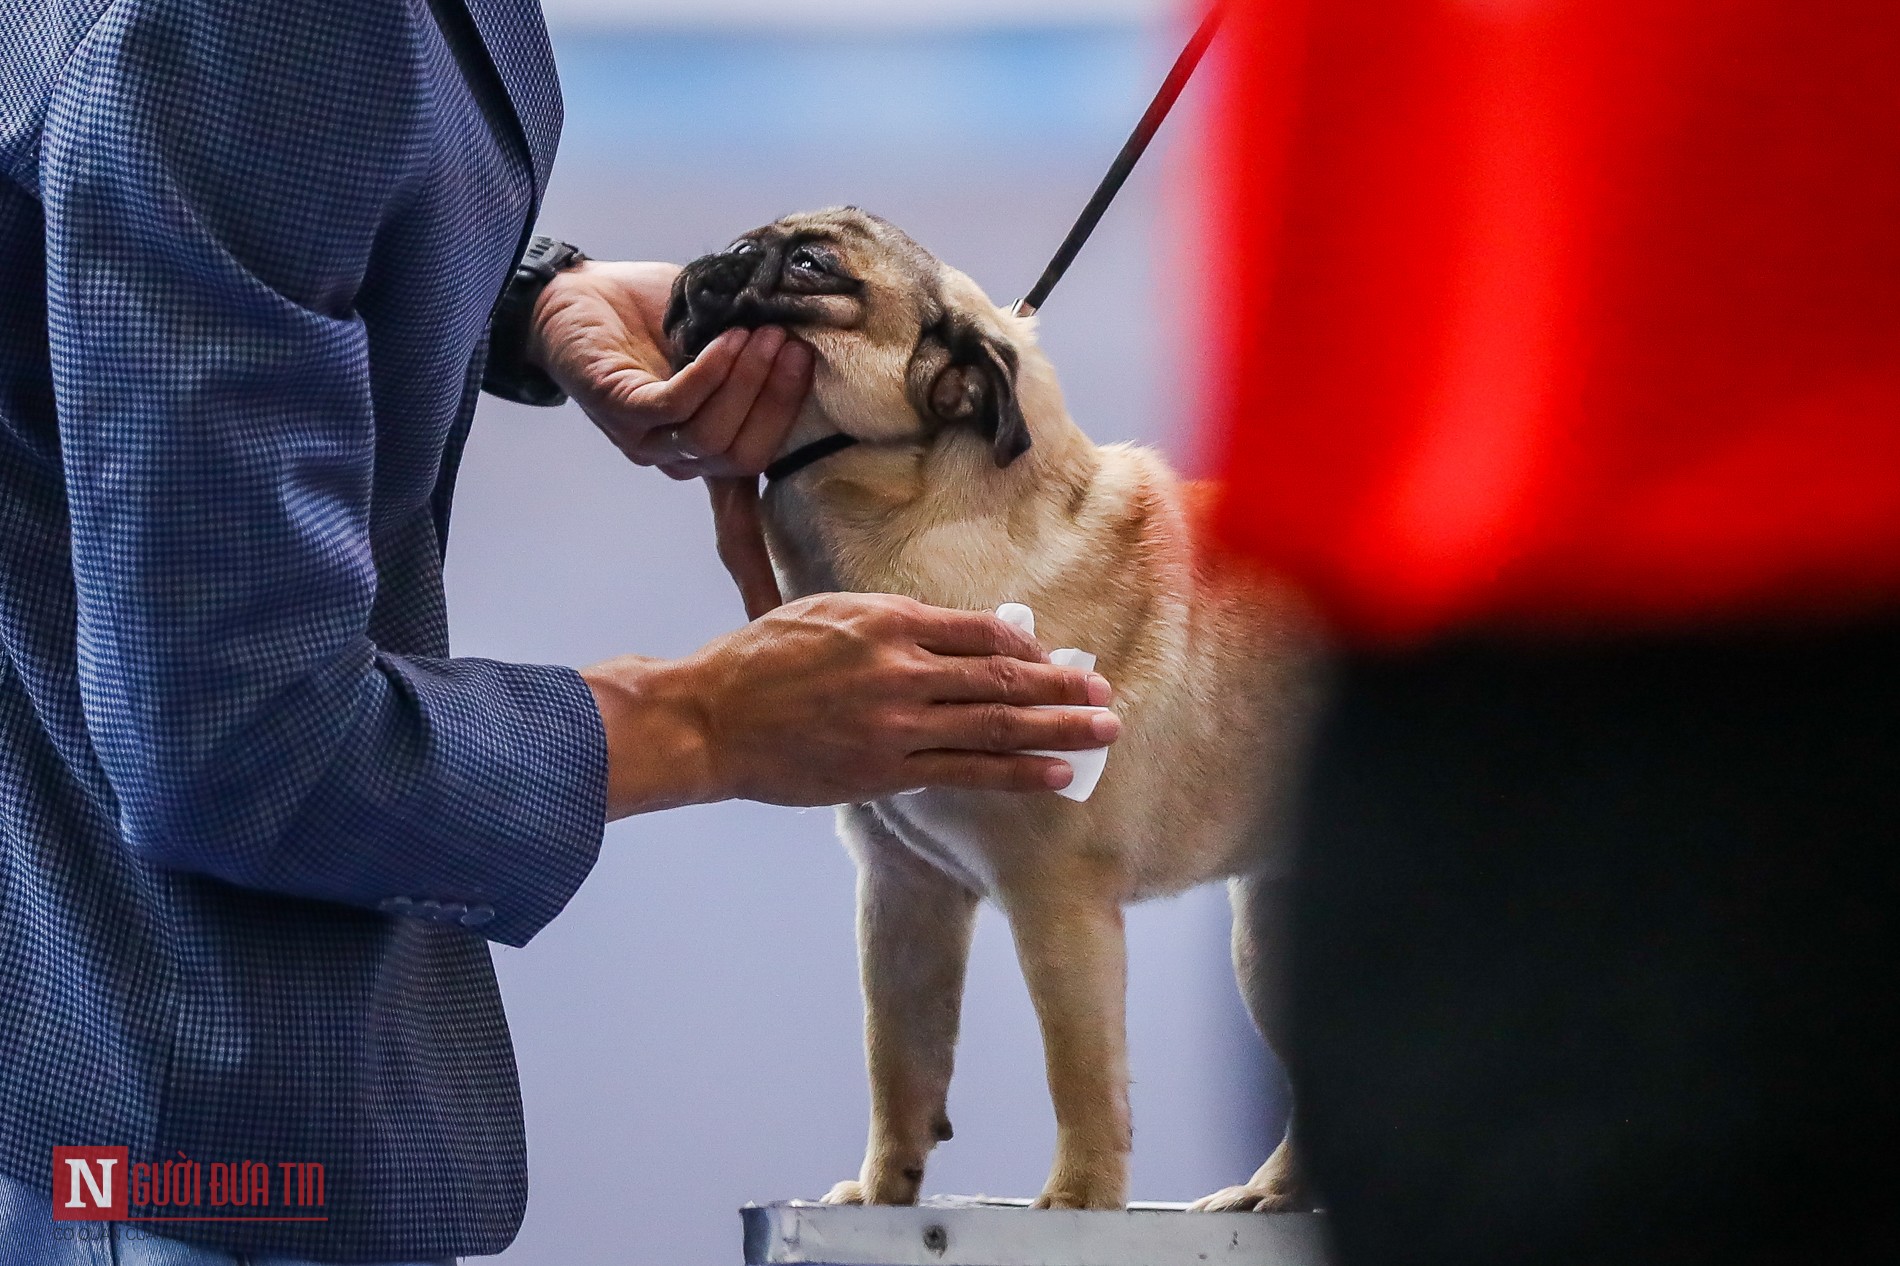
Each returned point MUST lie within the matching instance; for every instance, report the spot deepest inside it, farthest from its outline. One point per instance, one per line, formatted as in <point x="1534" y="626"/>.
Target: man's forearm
<point x="837" y="698"/>
<point x="658" y="748"/>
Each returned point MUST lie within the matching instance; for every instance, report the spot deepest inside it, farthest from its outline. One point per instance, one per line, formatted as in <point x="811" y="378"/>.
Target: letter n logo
<point x="89" y="1184"/>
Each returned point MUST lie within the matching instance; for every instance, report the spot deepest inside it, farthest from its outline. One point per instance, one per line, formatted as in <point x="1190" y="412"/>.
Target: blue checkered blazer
<point x="255" y="822"/>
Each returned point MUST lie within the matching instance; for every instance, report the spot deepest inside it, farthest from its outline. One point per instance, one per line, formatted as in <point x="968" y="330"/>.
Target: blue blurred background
<point x="689" y="1030"/>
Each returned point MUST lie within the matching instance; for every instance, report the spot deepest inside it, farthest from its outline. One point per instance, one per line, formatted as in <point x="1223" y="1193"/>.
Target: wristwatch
<point x="508" y="373"/>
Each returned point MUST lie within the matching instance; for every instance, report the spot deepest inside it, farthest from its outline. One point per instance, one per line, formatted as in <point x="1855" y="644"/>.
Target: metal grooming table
<point x="979" y="1231"/>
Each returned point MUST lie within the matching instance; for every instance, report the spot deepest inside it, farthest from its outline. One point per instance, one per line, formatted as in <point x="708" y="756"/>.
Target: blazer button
<point x="429" y="908"/>
<point x="477" y="915"/>
<point x="395" y="905"/>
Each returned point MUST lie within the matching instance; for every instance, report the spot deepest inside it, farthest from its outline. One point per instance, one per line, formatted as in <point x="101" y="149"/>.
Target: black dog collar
<point x="805" y="454"/>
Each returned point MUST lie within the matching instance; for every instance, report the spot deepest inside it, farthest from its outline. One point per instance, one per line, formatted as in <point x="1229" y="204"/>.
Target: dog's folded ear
<point x="961" y="374"/>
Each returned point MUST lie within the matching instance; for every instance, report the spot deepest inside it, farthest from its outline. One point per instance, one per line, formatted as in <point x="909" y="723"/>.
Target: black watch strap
<point x="508" y="373"/>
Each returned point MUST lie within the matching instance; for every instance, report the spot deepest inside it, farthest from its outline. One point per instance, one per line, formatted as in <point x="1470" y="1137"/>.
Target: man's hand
<point x="841" y="697"/>
<point x="596" y="332"/>
<point x="739" y="530"/>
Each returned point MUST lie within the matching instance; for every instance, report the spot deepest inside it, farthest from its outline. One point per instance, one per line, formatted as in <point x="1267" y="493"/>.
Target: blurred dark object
<point x="1559" y="312"/>
<point x="1580" y="322"/>
<point x="1594" y="952"/>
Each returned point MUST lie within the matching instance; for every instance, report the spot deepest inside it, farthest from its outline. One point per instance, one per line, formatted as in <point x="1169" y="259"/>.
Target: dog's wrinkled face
<point x="905" y="347"/>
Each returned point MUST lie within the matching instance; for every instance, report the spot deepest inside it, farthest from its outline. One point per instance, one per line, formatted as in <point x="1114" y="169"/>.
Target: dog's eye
<point x="807" y="260"/>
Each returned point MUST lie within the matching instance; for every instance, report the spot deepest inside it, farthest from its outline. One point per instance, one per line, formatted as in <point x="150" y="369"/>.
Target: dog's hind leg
<point x="1070" y="939"/>
<point x="1259" y="926"/>
<point x="914" y="926"/>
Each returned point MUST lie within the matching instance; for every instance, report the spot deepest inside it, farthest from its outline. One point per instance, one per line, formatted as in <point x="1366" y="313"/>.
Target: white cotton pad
<point x="1069" y="657"/>
<point x="1088" y="765"/>
<point x="1019" y="615"/>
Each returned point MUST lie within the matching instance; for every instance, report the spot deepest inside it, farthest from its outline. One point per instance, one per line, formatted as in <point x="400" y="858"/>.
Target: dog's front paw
<point x="1081" y="1191"/>
<point x="1279" y="1186"/>
<point x="850" y="1191"/>
<point x="1248" y="1198"/>
<point x="895" y="1187"/>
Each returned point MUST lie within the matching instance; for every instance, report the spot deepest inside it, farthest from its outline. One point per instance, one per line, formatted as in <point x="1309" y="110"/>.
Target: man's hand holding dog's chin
<point x="596" y="332"/>
<point x="842" y="697"/>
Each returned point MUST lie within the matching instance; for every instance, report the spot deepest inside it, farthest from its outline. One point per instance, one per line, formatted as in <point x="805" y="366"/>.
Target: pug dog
<point x="935" y="459"/>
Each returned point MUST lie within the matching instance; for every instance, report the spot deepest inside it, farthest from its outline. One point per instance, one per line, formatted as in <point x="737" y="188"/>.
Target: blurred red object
<point x="1578" y="313"/>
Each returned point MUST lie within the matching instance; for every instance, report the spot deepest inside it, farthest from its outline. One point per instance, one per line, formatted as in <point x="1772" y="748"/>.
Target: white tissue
<point x="1069" y="657"/>
<point x="1089" y="764"/>
<point x="1019" y="615"/>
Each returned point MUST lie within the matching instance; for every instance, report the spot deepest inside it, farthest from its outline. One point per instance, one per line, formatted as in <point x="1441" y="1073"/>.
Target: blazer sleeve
<point x="213" y="390"/>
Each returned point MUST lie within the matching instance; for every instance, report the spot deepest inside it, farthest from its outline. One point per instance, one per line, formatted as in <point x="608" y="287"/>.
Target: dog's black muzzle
<point x="744" y="286"/>
<point x="763" y="279"/>
<point x="714" y="293"/>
